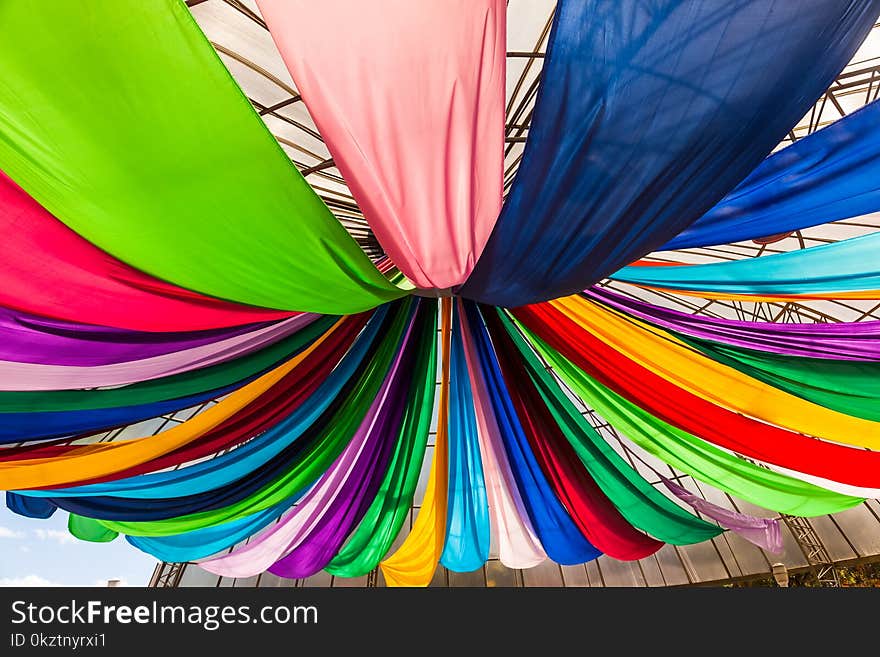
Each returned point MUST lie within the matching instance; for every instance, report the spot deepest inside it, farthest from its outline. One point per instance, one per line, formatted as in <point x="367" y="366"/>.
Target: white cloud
<point x="58" y="535"/>
<point x="27" y="580"/>
<point x="5" y="532"/>
<point x="24" y="548"/>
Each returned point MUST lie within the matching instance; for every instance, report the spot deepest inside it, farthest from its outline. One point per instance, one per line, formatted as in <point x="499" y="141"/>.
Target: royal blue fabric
<point x="649" y="112"/>
<point x="561" y="539"/>
<point x="29" y="507"/>
<point x="202" y="543"/>
<point x="830" y="175"/>
<point x="467" y="507"/>
<point x="847" y="266"/>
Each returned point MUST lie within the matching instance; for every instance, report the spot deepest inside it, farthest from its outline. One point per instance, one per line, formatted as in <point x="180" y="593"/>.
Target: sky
<point x="43" y="553"/>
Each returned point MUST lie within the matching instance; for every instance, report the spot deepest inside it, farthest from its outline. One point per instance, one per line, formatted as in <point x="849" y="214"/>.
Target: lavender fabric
<point x="27" y="338"/>
<point x="763" y="532"/>
<point x="839" y="341"/>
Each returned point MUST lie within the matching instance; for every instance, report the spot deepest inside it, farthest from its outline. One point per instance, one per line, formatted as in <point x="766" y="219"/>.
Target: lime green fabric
<point x="87" y="529"/>
<point x="120" y="119"/>
<point x="638" y="501"/>
<point x="693" y="456"/>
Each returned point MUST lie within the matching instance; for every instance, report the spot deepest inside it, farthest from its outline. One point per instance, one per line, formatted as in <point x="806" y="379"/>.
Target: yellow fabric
<point x="99" y="460"/>
<point x="780" y="298"/>
<point x="663" y="354"/>
<point x="414" y="563"/>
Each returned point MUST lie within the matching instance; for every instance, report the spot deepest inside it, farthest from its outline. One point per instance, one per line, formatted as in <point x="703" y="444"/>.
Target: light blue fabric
<point x="227" y="468"/>
<point x="845" y="266"/>
<point x="830" y="175"/>
<point x="467" y="511"/>
<point x="210" y="540"/>
<point x="650" y="112"/>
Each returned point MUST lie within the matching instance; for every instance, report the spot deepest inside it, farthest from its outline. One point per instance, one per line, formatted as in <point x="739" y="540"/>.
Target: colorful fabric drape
<point x="98" y="144"/>
<point x="159" y="257"/>
<point x="418" y="138"/>
<point x="23" y="377"/>
<point x="49" y="270"/>
<point x="830" y="175"/>
<point x="646" y="117"/>
<point x="857" y="341"/>
<point x="845" y="269"/>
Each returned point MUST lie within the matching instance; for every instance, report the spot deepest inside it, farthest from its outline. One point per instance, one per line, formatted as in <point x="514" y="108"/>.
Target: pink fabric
<point x="518" y="545"/>
<point x="409" y="97"/>
<point x="34" y="376"/>
<point x="47" y="269"/>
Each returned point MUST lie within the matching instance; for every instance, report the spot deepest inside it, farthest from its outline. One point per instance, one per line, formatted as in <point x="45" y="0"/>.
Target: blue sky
<point x="43" y="553"/>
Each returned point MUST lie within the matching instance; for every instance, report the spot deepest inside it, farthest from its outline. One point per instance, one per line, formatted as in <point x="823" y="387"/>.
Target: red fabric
<point x="857" y="467"/>
<point x="593" y="513"/>
<point x="262" y="414"/>
<point x="49" y="270"/>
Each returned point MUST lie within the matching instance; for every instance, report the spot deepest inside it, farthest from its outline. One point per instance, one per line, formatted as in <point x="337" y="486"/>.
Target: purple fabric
<point x="29" y="376"/>
<point x="839" y="341"/>
<point x="26" y="338"/>
<point x="763" y="532"/>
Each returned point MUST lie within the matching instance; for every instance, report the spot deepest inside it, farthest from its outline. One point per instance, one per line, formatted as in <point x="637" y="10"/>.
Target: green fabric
<point x="850" y="387"/>
<point x="87" y="529"/>
<point x="390" y="508"/>
<point x="694" y="456"/>
<point x="639" y="502"/>
<point x="168" y="387"/>
<point x="119" y="118"/>
<point x="308" y="466"/>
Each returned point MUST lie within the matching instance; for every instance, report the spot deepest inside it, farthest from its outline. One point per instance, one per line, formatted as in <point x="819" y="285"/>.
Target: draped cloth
<point x="848" y="269"/>
<point x="856" y="341"/>
<point x="763" y="532"/>
<point x="50" y="271"/>
<point x="786" y="493"/>
<point x="829" y="175"/>
<point x="22" y="377"/>
<point x="307" y="537"/>
<point x="518" y="545"/>
<point x="649" y="113"/>
<point x="414" y="562"/>
<point x="87" y="129"/>
<point x="693" y="414"/>
<point x="418" y="138"/>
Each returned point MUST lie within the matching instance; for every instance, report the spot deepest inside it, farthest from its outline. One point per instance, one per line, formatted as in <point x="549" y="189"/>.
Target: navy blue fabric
<point x="830" y="175"/>
<point x="559" y="536"/>
<point x="30" y="507"/>
<point x="649" y="112"/>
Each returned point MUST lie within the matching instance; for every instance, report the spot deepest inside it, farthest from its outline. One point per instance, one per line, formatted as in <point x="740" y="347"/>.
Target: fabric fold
<point x="418" y="138"/>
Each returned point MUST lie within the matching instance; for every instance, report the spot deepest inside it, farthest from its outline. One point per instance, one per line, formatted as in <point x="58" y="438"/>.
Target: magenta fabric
<point x="49" y="270"/>
<point x="839" y="341"/>
<point x="409" y="97"/>
<point x="30" y="376"/>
